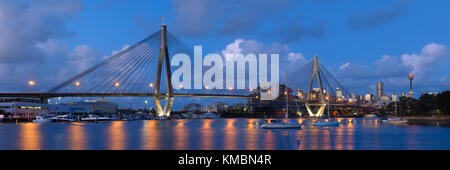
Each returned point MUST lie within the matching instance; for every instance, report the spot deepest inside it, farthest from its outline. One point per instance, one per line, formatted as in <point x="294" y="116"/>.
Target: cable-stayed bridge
<point x="145" y="70"/>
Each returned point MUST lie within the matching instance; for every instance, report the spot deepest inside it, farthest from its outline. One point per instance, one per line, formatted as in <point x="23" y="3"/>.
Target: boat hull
<point x="281" y="126"/>
<point x="398" y="122"/>
<point x="42" y="121"/>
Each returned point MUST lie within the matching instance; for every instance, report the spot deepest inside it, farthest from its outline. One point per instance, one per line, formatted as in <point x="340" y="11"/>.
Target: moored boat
<point x="41" y="119"/>
<point x="280" y="124"/>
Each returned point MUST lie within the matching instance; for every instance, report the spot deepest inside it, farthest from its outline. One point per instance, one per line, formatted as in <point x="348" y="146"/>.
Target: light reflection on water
<point x="117" y="136"/>
<point x="30" y="137"/>
<point x="77" y="136"/>
<point x="242" y="134"/>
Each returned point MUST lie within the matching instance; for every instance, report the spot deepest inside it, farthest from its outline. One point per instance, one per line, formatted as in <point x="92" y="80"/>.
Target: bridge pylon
<point x="311" y="98"/>
<point x="163" y="57"/>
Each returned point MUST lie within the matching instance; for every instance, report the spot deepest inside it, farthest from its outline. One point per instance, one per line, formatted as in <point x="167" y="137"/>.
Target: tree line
<point x="425" y="105"/>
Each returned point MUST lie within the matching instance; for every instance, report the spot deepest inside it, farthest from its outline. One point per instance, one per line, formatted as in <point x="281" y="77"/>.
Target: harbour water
<point x="220" y="134"/>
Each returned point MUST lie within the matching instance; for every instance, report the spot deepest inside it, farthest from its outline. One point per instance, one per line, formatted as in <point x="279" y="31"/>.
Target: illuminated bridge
<point x="145" y="69"/>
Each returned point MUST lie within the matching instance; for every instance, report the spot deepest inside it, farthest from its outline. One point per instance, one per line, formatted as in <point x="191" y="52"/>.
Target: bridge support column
<point x="319" y="112"/>
<point x="44" y="100"/>
<point x="163" y="56"/>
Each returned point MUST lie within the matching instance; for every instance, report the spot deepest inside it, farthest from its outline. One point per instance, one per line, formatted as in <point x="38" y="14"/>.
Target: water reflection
<point x="210" y="134"/>
<point x="77" y="136"/>
<point x="269" y="141"/>
<point x="30" y="136"/>
<point x="181" y="135"/>
<point x="230" y="133"/>
<point x="117" y="136"/>
<point x="151" y="135"/>
<point x="207" y="135"/>
<point x="251" y="135"/>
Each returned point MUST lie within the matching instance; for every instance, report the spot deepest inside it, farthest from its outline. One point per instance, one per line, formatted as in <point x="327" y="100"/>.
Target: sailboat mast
<point x="328" y="101"/>
<point x="287" y="102"/>
<point x="286" y="92"/>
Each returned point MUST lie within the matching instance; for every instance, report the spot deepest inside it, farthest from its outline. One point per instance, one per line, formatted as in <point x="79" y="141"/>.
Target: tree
<point x="443" y="102"/>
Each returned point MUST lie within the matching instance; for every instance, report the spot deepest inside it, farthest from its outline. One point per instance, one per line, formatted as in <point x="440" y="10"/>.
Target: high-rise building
<point x="380" y="90"/>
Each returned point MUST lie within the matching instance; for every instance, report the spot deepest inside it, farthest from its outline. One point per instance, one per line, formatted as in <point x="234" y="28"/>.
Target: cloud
<point x="378" y="17"/>
<point x="248" y="17"/>
<point x="295" y="31"/>
<point x="117" y="51"/>
<point x="295" y="57"/>
<point x="394" y="70"/>
<point x="199" y="17"/>
<point x="288" y="58"/>
<point x="423" y="62"/>
<point x="82" y="58"/>
<point x="29" y="45"/>
<point x="25" y="23"/>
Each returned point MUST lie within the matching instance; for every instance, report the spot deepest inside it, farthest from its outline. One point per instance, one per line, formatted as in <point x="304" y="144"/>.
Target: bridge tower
<point x="315" y="73"/>
<point x="163" y="57"/>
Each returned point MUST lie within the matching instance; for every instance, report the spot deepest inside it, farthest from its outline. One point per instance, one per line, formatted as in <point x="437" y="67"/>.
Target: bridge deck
<point x="52" y="95"/>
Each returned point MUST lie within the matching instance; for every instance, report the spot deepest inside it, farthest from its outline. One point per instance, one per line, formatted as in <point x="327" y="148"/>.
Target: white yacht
<point x="395" y="121"/>
<point x="277" y="124"/>
<point x="95" y="118"/>
<point x="327" y="121"/>
<point x="41" y="119"/>
<point x="65" y="117"/>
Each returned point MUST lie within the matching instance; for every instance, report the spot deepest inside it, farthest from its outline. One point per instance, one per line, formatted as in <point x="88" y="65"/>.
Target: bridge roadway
<point x="108" y="94"/>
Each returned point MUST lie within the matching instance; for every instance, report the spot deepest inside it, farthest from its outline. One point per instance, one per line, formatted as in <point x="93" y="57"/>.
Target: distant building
<point x="369" y="97"/>
<point x="218" y="107"/>
<point x="98" y="106"/>
<point x="22" y="108"/>
<point x="339" y="93"/>
<point x="380" y="90"/>
<point x="394" y="97"/>
<point x="278" y="106"/>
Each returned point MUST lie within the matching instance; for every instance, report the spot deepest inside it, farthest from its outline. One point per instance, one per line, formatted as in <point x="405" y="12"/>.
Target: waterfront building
<point x="218" y="107"/>
<point x="28" y="108"/>
<point x="98" y="106"/>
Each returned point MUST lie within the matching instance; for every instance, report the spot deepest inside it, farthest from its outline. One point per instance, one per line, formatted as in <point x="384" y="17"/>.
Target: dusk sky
<point x="360" y="42"/>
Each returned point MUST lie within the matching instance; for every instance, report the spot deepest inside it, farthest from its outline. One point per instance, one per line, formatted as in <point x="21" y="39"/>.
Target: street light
<point x="146" y="102"/>
<point x="77" y="83"/>
<point x="151" y="84"/>
<point x="31" y="83"/>
<point x="117" y="84"/>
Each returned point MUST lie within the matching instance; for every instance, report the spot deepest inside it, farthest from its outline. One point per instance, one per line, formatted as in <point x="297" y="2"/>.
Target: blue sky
<point x="361" y="42"/>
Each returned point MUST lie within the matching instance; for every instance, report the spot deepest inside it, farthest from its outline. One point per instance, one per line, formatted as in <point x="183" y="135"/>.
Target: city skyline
<point x="50" y="41"/>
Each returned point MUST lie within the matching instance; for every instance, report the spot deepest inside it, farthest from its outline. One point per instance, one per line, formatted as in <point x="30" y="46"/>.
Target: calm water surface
<point x="241" y="134"/>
